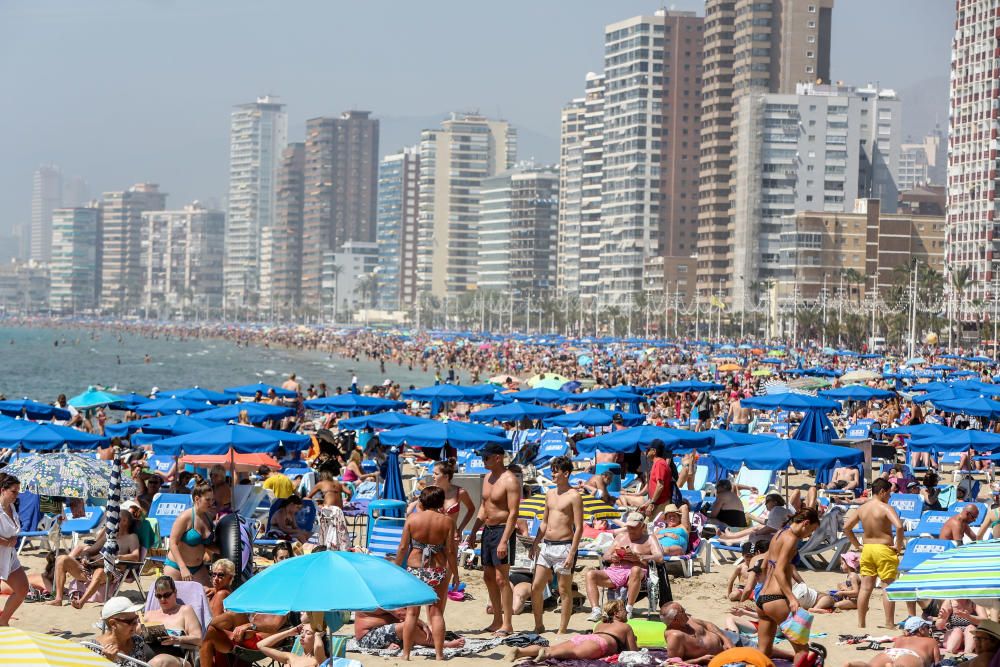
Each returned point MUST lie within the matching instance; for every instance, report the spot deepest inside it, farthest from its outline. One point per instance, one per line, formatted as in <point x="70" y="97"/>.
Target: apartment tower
<point x="46" y="197"/>
<point x="397" y="216"/>
<point x="281" y="244"/>
<point x="74" y="267"/>
<point x="121" y="245"/>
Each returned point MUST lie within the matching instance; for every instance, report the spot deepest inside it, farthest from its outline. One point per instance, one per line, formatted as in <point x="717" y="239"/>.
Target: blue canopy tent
<point x="513" y="412"/>
<point x="381" y="420"/>
<point x="46" y="437"/>
<point x="171" y="405"/>
<point x="541" y="395"/>
<point x="439" y="394"/>
<point x="199" y="394"/>
<point x="25" y="407"/>
<point x="856" y="392"/>
<point x="640" y="437"/>
<point x="977" y="407"/>
<point x="459" y="435"/>
<point x="257" y="413"/>
<point x="353" y="403"/>
<point x="230" y="438"/>
<point x="594" y="417"/>
<point x="252" y="389"/>
<point x="168" y="425"/>
<point x="93" y="398"/>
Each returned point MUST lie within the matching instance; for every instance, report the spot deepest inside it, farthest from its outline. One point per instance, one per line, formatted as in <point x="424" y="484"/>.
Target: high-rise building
<point x="341" y="181"/>
<point x="76" y="192"/>
<point x="258" y="132"/>
<point x="571" y="136"/>
<point x="182" y="259"/>
<point x="121" y="245"/>
<point x="818" y="150"/>
<point x="453" y="162"/>
<point x="591" y="186"/>
<point x="46" y="196"/>
<point x="518" y="216"/>
<point x="75" y="265"/>
<point x="24" y="287"/>
<point x="398" y="207"/>
<point x="750" y="46"/>
<point x="651" y="125"/>
<point x="973" y="234"/>
<point x="281" y="243"/>
<point x="914" y="166"/>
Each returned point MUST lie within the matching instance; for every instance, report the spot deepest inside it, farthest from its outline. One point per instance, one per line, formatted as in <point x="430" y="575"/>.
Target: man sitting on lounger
<point x="625" y="563"/>
<point x="960" y="526"/>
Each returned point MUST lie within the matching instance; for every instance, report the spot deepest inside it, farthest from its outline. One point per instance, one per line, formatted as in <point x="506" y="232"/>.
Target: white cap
<point x="119" y="605"/>
<point x="129" y="504"/>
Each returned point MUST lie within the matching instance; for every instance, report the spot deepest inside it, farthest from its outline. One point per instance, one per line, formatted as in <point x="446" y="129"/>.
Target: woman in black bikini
<point x="427" y="550"/>
<point x="776" y="601"/>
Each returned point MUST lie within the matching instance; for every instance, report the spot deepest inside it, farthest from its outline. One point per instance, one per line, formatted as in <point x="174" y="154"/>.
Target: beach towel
<point x="472" y="646"/>
<point x="333" y="529"/>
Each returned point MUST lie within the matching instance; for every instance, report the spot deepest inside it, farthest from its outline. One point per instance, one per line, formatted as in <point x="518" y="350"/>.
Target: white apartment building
<point x="257" y="135"/>
<point x="182" y="258"/>
<point x="74" y="267"/>
<point x="46" y="197"/>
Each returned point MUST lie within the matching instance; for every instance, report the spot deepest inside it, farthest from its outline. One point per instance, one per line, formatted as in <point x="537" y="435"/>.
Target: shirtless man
<point x="597" y="485"/>
<point x="915" y="648"/>
<point x="960" y="525"/>
<point x="498" y="517"/>
<point x="844" y="479"/>
<point x="625" y="561"/>
<point x="381" y="629"/>
<point x="560" y="533"/>
<point x="739" y="416"/>
<point x="878" y="556"/>
<point x="695" y="641"/>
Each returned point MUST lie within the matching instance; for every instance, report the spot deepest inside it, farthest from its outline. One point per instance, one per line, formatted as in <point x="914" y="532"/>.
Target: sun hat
<point x="991" y="628"/>
<point x="671" y="509"/>
<point x="914" y="623"/>
<point x="852" y="559"/>
<point x="634" y="519"/>
<point x="129" y="504"/>
<point x="119" y="605"/>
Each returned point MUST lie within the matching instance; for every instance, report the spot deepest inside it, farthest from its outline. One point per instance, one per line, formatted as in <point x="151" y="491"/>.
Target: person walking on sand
<point x="11" y="570"/>
<point x="879" y="556"/>
<point x="559" y="534"/>
<point x="498" y="517"/>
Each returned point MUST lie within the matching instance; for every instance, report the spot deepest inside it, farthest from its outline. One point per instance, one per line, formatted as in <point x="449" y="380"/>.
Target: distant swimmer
<point x="147" y="359"/>
<point x="55" y="343"/>
<point x="118" y="359"/>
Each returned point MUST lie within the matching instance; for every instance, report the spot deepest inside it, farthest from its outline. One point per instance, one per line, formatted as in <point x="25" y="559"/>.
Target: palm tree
<point x="959" y="282"/>
<point x="858" y="279"/>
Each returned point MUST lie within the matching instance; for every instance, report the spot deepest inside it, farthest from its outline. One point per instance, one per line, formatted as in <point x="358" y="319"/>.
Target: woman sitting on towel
<point x="610" y="637"/>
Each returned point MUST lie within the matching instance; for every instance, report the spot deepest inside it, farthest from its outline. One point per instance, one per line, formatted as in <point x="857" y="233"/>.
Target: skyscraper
<point x="74" y="269"/>
<point x="972" y="238"/>
<point x="750" y="46"/>
<point x="341" y="177"/>
<point x="571" y="137"/>
<point x="257" y="135"/>
<point x="121" y="245"/>
<point x="281" y="243"/>
<point x="398" y="194"/>
<point x="46" y="196"/>
<point x="182" y="259"/>
<point x="453" y="162"/>
<point x="518" y="215"/>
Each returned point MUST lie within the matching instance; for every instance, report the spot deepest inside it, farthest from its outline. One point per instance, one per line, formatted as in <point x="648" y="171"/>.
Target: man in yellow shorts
<point x="880" y="554"/>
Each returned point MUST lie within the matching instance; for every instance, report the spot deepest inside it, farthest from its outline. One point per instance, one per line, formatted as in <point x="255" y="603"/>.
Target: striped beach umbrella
<point x="111" y="520"/>
<point x="593" y="508"/>
<point x="21" y="647"/>
<point x="971" y="571"/>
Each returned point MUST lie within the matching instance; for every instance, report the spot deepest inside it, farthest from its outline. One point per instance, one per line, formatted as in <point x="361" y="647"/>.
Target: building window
<point x="810" y="39"/>
<point x="810" y="69"/>
<point x="812" y="25"/>
<point x="812" y="9"/>
<point x="810" y="54"/>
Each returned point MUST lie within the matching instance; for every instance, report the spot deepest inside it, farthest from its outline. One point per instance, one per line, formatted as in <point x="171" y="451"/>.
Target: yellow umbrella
<point x="593" y="508"/>
<point x="549" y="380"/>
<point x="725" y="368"/>
<point x="761" y="372"/>
<point x="20" y="647"/>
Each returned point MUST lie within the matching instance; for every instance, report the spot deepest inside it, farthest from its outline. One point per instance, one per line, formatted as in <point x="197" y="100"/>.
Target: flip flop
<point x="501" y="633"/>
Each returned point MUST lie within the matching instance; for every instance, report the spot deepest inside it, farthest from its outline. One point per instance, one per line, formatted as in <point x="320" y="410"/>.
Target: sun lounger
<point x="930" y="524"/>
<point x="920" y="549"/>
<point x="825" y="547"/>
<point x="384" y="536"/>
<point x="89" y="523"/>
<point x="166" y="507"/>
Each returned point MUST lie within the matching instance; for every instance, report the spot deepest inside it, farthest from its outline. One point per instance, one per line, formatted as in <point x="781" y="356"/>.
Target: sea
<point x="41" y="363"/>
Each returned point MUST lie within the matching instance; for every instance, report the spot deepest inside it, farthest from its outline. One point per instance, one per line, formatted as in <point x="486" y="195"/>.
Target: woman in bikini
<point x="427" y="550"/>
<point x="191" y="537"/>
<point x="776" y="600"/>
<point x="610" y="637"/>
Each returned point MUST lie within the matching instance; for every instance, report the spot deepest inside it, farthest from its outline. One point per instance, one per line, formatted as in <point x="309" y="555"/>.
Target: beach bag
<point x="797" y="626"/>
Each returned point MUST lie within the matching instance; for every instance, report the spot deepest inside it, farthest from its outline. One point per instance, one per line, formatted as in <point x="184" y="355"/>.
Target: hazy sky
<point x="140" y="90"/>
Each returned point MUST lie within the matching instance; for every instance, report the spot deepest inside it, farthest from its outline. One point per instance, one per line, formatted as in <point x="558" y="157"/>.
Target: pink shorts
<point x="618" y="574"/>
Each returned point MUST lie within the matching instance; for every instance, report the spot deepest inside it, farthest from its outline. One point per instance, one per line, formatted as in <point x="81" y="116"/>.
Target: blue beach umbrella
<point x="514" y="412"/>
<point x="25" y="407"/>
<point x="256" y="412"/>
<point x="44" y="437"/>
<point x="977" y="407"/>
<point x="129" y="401"/>
<point x="439" y="394"/>
<point x="231" y="437"/>
<point x="330" y="581"/>
<point x="170" y="405"/>
<point x="784" y="453"/>
<point x="970" y="571"/>
<point x="392" y="489"/>
<point x="167" y="425"/>
<point x="252" y="389"/>
<point x="815" y="427"/>
<point x="920" y="430"/>
<point x="959" y="440"/>
<point x="723" y="439"/>
<point x="199" y="394"/>
<point x="353" y="403"/>
<point x="459" y="435"/>
<point x="93" y="398"/>
<point x="691" y="384"/>
<point x="630" y="439"/>
<point x="595" y="417"/>
<point x="856" y="392"/>
<point x="948" y="394"/>
<point x="789" y="401"/>
<point x="541" y="395"/>
<point x="381" y="420"/>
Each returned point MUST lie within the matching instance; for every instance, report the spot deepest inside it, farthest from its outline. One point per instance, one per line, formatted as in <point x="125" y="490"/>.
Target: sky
<point x="126" y="91"/>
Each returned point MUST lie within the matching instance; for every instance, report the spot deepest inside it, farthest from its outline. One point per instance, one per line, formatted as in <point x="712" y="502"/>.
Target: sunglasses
<point x="219" y="575"/>
<point x="164" y="596"/>
<point x="132" y="620"/>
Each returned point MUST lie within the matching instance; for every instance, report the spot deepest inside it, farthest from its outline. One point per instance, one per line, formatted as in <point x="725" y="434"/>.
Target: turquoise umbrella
<point x="330" y="581"/>
<point x="93" y="398"/>
<point x="971" y="571"/>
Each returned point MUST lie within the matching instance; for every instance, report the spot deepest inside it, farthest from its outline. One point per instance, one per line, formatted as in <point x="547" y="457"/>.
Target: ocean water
<point x="42" y="363"/>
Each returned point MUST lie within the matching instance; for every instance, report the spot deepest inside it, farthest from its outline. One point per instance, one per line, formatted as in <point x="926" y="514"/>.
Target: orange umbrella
<point x="725" y="368"/>
<point x="241" y="462"/>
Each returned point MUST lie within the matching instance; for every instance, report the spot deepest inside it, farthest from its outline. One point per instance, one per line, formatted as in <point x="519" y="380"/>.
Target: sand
<point x="703" y="596"/>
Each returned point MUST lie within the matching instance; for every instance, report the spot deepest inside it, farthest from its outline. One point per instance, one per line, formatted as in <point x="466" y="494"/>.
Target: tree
<point x="959" y="282"/>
